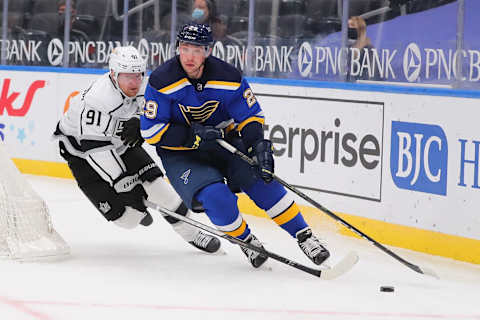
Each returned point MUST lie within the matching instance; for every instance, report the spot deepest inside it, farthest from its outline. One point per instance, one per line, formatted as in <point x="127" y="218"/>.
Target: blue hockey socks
<point x="221" y="208"/>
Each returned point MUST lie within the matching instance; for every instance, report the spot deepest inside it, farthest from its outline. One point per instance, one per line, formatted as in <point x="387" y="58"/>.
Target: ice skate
<point x="312" y="246"/>
<point x="255" y="258"/>
<point x="205" y="242"/>
<point x="147" y="220"/>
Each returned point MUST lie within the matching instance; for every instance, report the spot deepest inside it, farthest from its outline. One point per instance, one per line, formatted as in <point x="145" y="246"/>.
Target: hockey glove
<point x="131" y="133"/>
<point x="203" y="137"/>
<point x="263" y="151"/>
<point x="132" y="197"/>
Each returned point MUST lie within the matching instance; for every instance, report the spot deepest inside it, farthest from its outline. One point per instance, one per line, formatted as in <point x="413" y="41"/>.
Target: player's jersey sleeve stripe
<point x="230" y="127"/>
<point x="248" y="120"/>
<point x="226" y="124"/>
<point x="176" y="148"/>
<point x="150" y="132"/>
<point x="225" y="85"/>
<point x="156" y="137"/>
<point x="180" y="84"/>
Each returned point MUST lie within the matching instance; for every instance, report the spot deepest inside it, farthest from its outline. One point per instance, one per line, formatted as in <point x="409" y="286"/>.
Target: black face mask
<point x="352" y="34"/>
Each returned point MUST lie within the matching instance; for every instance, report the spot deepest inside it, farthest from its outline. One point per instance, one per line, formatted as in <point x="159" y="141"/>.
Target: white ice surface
<point x="150" y="273"/>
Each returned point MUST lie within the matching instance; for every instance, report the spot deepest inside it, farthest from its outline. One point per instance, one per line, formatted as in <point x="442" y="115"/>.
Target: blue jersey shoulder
<point x="220" y="70"/>
<point x="166" y="74"/>
<point x="171" y="71"/>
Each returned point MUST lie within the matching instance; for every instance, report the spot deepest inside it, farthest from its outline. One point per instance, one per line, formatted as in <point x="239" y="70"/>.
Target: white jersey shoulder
<point x="99" y="110"/>
<point x="103" y="95"/>
<point x="97" y="113"/>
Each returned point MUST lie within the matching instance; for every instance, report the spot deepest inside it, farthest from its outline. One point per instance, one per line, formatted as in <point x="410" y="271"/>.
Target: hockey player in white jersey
<point x="100" y="139"/>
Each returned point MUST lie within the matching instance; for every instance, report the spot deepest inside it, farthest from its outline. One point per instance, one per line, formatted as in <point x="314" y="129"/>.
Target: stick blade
<point x="430" y="272"/>
<point x="342" y="267"/>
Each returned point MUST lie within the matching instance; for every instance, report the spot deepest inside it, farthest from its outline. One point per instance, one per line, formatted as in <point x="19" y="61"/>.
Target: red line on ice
<point x="250" y="310"/>
<point x="20" y="306"/>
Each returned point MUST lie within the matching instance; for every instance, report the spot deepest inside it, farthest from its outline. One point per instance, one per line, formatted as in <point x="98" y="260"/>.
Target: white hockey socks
<point x="162" y="193"/>
<point x="130" y="218"/>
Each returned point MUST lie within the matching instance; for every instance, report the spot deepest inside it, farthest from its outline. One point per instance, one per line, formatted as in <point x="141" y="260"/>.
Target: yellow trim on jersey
<point x="158" y="136"/>
<point x="176" y="148"/>
<point x="170" y="88"/>
<point x="229" y="128"/>
<point x="247" y="121"/>
<point x="239" y="231"/>
<point x="227" y="85"/>
<point x="224" y="83"/>
<point x="287" y="215"/>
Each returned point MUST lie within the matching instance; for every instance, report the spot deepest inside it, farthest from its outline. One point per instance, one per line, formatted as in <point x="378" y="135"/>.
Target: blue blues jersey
<point x="220" y="98"/>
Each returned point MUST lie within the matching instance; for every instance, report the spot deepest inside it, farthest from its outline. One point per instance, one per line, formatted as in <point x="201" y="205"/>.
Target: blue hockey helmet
<point x="195" y="33"/>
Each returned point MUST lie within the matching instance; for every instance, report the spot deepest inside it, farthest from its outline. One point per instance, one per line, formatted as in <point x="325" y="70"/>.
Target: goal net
<point x="26" y="230"/>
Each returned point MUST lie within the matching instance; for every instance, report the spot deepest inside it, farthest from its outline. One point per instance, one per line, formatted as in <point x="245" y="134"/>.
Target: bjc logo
<point x="6" y="99"/>
<point x="419" y="157"/>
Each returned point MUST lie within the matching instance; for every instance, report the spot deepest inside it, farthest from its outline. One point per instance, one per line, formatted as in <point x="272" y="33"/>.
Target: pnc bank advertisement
<point x="399" y="53"/>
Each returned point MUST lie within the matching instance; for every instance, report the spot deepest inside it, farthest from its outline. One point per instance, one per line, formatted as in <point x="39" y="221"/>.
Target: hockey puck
<point x="387" y="289"/>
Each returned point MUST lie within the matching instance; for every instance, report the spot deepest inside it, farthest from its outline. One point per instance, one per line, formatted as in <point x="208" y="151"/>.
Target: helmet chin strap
<point x="199" y="67"/>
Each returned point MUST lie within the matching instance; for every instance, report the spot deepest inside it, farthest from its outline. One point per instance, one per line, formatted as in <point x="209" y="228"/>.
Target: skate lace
<point x="202" y="240"/>
<point x="312" y="246"/>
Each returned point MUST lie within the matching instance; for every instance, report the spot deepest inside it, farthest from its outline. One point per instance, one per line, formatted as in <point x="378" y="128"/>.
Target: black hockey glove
<point x="203" y="137"/>
<point x="131" y="133"/>
<point x="132" y="197"/>
<point x="263" y="151"/>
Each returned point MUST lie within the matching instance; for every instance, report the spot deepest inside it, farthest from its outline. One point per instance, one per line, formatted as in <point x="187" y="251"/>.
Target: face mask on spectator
<point x="197" y="14"/>
<point x="352" y="34"/>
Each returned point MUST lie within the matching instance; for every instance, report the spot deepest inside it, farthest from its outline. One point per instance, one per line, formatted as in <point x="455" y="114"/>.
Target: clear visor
<point x="135" y="77"/>
<point x="186" y="48"/>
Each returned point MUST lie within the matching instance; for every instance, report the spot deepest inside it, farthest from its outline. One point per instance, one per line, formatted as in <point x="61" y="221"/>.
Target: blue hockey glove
<point x="263" y="151"/>
<point x="131" y="132"/>
<point x="204" y="137"/>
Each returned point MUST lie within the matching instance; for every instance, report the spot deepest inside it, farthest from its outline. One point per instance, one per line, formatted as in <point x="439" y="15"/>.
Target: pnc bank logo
<point x="412" y="62"/>
<point x="419" y="157"/>
<point x="7" y="98"/>
<point x="305" y="59"/>
<point x="55" y="52"/>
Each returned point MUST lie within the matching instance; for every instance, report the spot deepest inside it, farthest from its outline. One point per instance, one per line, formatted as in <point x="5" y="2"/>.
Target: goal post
<point x="26" y="230"/>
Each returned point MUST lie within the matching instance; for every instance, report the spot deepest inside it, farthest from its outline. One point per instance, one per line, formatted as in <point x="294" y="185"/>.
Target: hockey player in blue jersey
<point x="192" y="100"/>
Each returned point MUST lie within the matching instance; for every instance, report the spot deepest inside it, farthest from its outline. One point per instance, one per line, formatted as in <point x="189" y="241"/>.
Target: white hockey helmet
<point x="126" y="60"/>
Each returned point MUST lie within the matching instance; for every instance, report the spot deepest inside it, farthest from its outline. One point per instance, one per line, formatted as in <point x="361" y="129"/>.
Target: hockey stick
<point x="327" y="274"/>
<point x="423" y="270"/>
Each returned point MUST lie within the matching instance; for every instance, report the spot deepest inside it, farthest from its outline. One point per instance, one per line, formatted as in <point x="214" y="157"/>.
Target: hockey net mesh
<point x="26" y="230"/>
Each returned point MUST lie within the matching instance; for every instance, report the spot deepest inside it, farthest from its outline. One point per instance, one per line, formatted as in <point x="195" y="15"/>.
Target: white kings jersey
<point x="92" y="125"/>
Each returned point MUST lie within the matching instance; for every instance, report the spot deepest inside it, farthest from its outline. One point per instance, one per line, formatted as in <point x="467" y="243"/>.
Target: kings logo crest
<point x="199" y="114"/>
